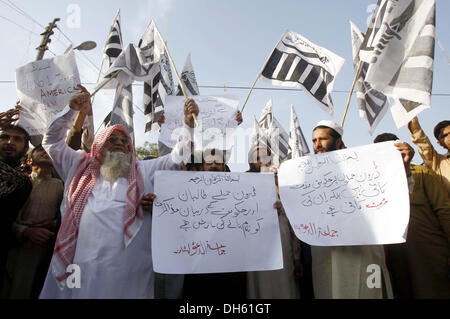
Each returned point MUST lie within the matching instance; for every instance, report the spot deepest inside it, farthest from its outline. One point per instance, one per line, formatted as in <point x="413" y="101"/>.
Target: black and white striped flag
<point x="265" y="118"/>
<point x="105" y="122"/>
<point x="189" y="79"/>
<point x="367" y="46"/>
<point x="297" y="62"/>
<point x="114" y="43"/>
<point x="155" y="92"/>
<point x="402" y="55"/>
<point x="161" y="83"/>
<point x="137" y="63"/>
<point x="133" y="66"/>
<point x="259" y="135"/>
<point x="279" y="139"/>
<point x="297" y="143"/>
<point x="122" y="112"/>
<point x="372" y="104"/>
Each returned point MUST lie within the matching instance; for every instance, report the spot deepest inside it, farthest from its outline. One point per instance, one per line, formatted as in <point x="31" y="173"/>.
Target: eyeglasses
<point x="114" y="139"/>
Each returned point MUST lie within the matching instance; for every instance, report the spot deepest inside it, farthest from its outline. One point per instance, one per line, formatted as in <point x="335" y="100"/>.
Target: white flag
<point x="189" y="79"/>
<point x="372" y="104"/>
<point x="401" y="63"/>
<point x="297" y="143"/>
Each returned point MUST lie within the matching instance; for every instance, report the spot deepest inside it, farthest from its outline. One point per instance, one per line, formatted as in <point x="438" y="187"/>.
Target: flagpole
<point x="251" y="89"/>
<point x="351" y="92"/>
<point x="176" y="73"/>
<point x="259" y="74"/>
<point x="103" y="60"/>
<point x="113" y="76"/>
<point x="98" y="77"/>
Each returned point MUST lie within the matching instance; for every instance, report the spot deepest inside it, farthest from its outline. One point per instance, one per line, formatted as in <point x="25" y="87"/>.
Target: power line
<point x="13" y="6"/>
<point x="233" y="87"/>
<point x="20" y="26"/>
<point x="26" y="14"/>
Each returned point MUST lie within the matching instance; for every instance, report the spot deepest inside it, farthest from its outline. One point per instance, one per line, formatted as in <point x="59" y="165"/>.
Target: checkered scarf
<point x="79" y="191"/>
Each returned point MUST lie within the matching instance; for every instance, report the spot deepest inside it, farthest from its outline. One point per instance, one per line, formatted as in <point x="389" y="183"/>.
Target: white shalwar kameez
<point x="107" y="268"/>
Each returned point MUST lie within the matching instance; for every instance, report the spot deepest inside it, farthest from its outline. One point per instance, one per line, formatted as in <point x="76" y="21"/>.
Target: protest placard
<point x="355" y="196"/>
<point x="210" y="222"/>
<point x="44" y="88"/>
<point x="217" y="120"/>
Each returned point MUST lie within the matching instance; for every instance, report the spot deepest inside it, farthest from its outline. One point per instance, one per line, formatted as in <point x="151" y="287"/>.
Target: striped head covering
<point x="78" y="193"/>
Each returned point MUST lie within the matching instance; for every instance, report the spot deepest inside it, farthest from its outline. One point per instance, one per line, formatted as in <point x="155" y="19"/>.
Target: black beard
<point x="12" y="161"/>
<point x="254" y="169"/>
<point x="329" y="149"/>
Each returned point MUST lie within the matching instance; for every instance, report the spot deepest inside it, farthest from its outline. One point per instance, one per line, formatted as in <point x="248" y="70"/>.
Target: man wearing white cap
<point x="341" y="271"/>
<point x="327" y="137"/>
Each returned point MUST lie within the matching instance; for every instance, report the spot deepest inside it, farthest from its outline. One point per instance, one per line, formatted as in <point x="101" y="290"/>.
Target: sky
<point x="229" y="42"/>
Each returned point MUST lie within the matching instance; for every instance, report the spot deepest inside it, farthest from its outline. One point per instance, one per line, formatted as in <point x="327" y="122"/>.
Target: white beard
<point x="115" y="165"/>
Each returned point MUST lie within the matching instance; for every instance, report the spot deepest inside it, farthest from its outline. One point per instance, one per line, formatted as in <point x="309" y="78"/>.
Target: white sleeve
<point x="88" y="133"/>
<point x="54" y="142"/>
<point x="181" y="154"/>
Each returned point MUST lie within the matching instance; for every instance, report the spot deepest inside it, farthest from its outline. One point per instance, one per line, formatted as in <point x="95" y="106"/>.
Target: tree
<point x="149" y="149"/>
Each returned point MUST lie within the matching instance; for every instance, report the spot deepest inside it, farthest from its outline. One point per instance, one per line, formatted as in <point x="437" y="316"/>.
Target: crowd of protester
<point x="85" y="200"/>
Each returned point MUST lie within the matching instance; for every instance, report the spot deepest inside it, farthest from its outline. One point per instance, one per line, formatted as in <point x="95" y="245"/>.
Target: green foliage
<point x="149" y="149"/>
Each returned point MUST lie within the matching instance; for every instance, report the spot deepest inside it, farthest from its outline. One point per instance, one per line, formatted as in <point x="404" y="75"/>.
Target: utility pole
<point x="46" y="39"/>
<point x="37" y="139"/>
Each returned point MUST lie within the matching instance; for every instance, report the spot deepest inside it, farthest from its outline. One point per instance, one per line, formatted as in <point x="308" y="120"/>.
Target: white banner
<point x="44" y="88"/>
<point x="217" y="120"/>
<point x="355" y="196"/>
<point x="208" y="222"/>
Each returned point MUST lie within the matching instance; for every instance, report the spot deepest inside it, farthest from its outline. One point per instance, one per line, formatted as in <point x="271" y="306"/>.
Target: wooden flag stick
<point x="251" y="89"/>
<point x="351" y="92"/>
<point x="98" y="78"/>
<point x="178" y="76"/>
<point x="113" y="76"/>
<point x="259" y="75"/>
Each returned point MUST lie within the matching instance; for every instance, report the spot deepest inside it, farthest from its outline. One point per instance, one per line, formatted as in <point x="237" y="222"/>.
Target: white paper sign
<point x="355" y="196"/>
<point x="44" y="88"/>
<point x="217" y="120"/>
<point x="208" y="222"/>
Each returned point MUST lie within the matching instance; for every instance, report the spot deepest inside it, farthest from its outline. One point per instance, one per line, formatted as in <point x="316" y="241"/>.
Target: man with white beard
<point x="103" y="248"/>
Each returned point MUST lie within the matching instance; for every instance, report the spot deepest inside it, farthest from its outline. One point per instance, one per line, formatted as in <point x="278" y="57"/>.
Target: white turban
<point x="331" y="125"/>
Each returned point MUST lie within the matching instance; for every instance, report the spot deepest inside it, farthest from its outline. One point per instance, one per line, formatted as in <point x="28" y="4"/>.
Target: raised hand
<point x="81" y="101"/>
<point x="10" y="117"/>
<point x="407" y="153"/>
<point x="190" y="109"/>
<point x="239" y="117"/>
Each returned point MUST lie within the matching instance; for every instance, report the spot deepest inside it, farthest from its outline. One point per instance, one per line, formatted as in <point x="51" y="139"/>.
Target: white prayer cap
<point x="331" y="125"/>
